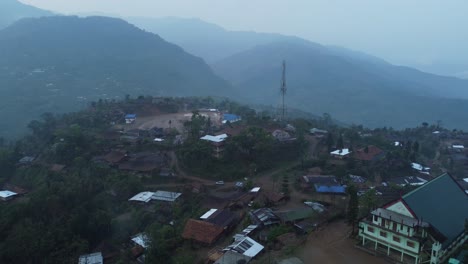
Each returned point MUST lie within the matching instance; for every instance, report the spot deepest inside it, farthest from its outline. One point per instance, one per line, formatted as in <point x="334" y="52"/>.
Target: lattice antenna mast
<point x="283" y="91"/>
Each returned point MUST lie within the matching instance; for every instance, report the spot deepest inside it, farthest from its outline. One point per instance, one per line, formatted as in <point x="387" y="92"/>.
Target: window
<point x="396" y="239"/>
<point x="410" y="244"/>
<point x="383" y="234"/>
<point x="370" y="229"/>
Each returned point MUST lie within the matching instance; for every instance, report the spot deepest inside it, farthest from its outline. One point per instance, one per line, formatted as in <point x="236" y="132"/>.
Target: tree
<point x="353" y="206"/>
<point x="369" y="200"/>
<point x="340" y="143"/>
<point x="330" y="141"/>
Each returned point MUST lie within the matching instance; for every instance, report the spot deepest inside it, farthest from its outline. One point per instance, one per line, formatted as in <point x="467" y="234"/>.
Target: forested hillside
<point x="59" y="64"/>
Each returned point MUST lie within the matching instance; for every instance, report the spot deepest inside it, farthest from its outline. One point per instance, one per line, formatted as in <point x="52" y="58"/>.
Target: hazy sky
<point x="402" y="31"/>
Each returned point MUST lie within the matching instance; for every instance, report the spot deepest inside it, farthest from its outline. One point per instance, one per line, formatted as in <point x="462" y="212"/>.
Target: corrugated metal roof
<point x="6" y="194"/>
<point x="93" y="258"/>
<point x="255" y="189"/>
<point x="247" y="247"/>
<point x="142" y="240"/>
<point x="142" y="197"/>
<point x="165" y="196"/>
<point x="208" y="214"/>
<point x="330" y="189"/>
<point x="216" y="139"/>
<point x="340" y="152"/>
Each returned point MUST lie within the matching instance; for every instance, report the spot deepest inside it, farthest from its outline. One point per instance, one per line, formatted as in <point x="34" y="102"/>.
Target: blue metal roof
<point x="128" y="116"/>
<point x="330" y="189"/>
<point x="231" y="117"/>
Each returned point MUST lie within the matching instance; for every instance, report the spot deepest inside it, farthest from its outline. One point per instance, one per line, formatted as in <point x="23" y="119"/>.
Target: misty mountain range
<point x="61" y="63"/>
<point x="12" y="10"/>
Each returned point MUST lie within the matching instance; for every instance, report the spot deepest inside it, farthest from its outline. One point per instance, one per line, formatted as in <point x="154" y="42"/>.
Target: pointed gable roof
<point x="443" y="204"/>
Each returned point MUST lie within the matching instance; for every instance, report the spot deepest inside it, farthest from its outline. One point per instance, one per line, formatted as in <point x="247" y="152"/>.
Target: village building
<point x="6" y="195"/>
<point x="130" y="118"/>
<point x="419" y="227"/>
<point x="271" y="198"/>
<point x="202" y="231"/>
<point x="141" y="242"/>
<point x="231" y="118"/>
<point x="407" y="180"/>
<point x="318" y="132"/>
<point x="293" y="216"/>
<point x="420" y="168"/>
<point x="232" y="257"/>
<point x="146" y="197"/>
<point x="217" y="142"/>
<point x="282" y="135"/>
<point x="340" y="153"/>
<point x="26" y="160"/>
<point x="115" y="157"/>
<point x="264" y="217"/>
<point x="245" y="246"/>
<point x="144" y="162"/>
<point x="464" y="184"/>
<point x="325" y="184"/>
<point x="93" y="258"/>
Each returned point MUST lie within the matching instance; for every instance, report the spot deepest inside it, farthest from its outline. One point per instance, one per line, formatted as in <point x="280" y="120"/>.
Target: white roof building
<point x="5" y="195"/>
<point x="208" y="214"/>
<point x="458" y="146"/>
<point x="165" y="196"/>
<point x="158" y="195"/>
<point x="142" y="197"/>
<point x="141" y="240"/>
<point x="340" y="152"/>
<point x="246" y="246"/>
<point x="93" y="258"/>
<point x="215" y="139"/>
<point x="419" y="167"/>
<point x="255" y="190"/>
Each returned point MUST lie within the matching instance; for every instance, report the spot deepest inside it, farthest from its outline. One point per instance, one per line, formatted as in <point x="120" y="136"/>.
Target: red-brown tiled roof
<point x="371" y="154"/>
<point x="202" y="231"/>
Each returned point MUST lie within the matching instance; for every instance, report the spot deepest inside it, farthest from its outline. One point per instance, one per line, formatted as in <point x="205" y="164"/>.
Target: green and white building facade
<point x="426" y="225"/>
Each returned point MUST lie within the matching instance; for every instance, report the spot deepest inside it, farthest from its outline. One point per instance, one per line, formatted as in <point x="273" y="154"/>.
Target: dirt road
<point x="331" y="245"/>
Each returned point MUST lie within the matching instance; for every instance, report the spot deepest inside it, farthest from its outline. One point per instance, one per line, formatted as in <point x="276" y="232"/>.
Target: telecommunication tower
<point x="283" y="91"/>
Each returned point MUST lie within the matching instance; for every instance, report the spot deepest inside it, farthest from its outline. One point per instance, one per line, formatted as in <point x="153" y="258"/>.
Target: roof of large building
<point x="442" y="203"/>
<point x="202" y="231"/>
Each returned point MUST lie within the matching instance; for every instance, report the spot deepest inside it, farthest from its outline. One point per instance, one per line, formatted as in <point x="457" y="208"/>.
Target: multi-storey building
<point x="426" y="225"/>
